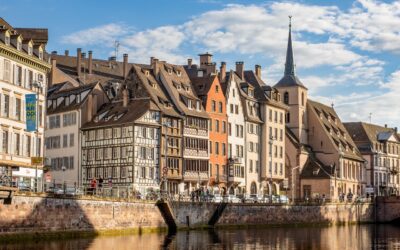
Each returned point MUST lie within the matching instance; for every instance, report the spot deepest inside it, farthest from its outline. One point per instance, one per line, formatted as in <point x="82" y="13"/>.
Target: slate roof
<point x="366" y="134"/>
<point x="62" y="107"/>
<point x="170" y="78"/>
<point x="315" y="169"/>
<point x="334" y="128"/>
<point x="117" y="114"/>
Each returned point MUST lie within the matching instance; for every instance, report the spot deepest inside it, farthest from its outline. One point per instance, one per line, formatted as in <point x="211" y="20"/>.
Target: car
<point x="280" y="199"/>
<point x="234" y="199"/>
<point x="72" y="191"/>
<point x="58" y="191"/>
<point x="217" y="198"/>
<point x="22" y="186"/>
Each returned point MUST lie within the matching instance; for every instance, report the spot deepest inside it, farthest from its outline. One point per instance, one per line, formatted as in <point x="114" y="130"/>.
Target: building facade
<point x="121" y="145"/>
<point x="23" y="71"/>
<point x="209" y="90"/>
<point x="324" y="160"/>
<point x="69" y="106"/>
<point x="380" y="147"/>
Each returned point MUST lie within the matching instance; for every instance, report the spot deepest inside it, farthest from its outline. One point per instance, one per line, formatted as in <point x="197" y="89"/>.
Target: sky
<point x="347" y="53"/>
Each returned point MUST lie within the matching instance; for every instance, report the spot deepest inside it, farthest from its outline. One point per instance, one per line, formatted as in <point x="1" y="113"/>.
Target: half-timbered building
<point x="122" y="145"/>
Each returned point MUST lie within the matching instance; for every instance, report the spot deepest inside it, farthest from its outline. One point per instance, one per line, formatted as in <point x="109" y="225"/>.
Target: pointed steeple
<point x="289" y="65"/>
<point x="289" y="78"/>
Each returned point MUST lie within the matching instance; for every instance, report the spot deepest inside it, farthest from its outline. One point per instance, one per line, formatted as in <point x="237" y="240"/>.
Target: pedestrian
<point x="323" y="198"/>
<point x="101" y="184"/>
<point x="93" y="184"/>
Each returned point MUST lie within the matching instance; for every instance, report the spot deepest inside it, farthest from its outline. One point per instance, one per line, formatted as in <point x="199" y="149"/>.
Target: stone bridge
<point x="387" y="209"/>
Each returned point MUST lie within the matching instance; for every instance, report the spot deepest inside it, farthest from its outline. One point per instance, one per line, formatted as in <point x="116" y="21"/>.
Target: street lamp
<point x="38" y="86"/>
<point x="165" y="168"/>
<point x="271" y="142"/>
<point x="293" y="186"/>
<point x="63" y="168"/>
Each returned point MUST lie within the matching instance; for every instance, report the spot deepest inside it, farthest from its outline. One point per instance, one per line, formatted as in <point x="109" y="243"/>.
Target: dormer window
<point x="189" y="103"/>
<point x="7" y="39"/>
<point x="200" y="73"/>
<point x="187" y="88"/>
<point x="147" y="73"/>
<point x="178" y="73"/>
<point x="19" y="45"/>
<point x="198" y="107"/>
<point x="251" y="92"/>
<point x="170" y="71"/>
<point x="30" y="50"/>
<point x="41" y="55"/>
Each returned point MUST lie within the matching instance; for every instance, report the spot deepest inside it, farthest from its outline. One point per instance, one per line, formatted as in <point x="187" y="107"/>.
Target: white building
<point x="22" y="65"/>
<point x="236" y="135"/>
<point x="68" y="107"/>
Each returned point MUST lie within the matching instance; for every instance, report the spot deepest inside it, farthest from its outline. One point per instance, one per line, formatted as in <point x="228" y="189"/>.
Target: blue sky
<point x="346" y="52"/>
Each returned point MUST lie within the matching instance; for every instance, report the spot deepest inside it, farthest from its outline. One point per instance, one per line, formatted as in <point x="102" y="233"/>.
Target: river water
<point x="334" y="237"/>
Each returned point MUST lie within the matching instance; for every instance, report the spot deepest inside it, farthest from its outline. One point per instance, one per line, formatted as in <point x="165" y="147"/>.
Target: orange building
<point x="209" y="90"/>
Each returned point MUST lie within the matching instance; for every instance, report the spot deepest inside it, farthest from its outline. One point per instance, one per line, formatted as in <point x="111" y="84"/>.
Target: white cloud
<point x="102" y="35"/>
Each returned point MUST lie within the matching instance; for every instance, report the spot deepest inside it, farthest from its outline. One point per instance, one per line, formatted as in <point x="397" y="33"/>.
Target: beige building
<point x="23" y="70"/>
<point x="322" y="159"/>
<point x="380" y="147"/>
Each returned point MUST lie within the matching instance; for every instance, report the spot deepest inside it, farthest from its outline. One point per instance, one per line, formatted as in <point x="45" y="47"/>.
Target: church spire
<point x="289" y="65"/>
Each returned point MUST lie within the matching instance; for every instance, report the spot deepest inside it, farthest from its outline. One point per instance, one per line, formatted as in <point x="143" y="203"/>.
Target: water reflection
<point x="341" y="237"/>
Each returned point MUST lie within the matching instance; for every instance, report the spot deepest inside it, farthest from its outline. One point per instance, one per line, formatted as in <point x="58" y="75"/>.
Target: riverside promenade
<point x="49" y="215"/>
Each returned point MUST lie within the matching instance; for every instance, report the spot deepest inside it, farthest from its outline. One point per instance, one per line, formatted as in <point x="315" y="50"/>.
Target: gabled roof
<point x="315" y="169"/>
<point x="115" y="113"/>
<point x="334" y="129"/>
<point x="366" y="134"/>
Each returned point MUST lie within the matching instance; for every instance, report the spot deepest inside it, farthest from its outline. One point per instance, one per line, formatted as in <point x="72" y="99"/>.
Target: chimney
<point x="90" y="64"/>
<point x="151" y="60"/>
<point x="189" y="63"/>
<point x="395" y="129"/>
<point x="54" y="52"/>
<point x="125" y="66"/>
<point x="385" y="125"/>
<point x="240" y="69"/>
<point x="125" y="97"/>
<point x="257" y="70"/>
<point x="83" y="55"/>
<point x="90" y="107"/>
<point x="52" y="72"/>
<point x="205" y="59"/>
<point x="78" y="61"/>
<point x="155" y="67"/>
<point x="66" y="52"/>
<point x="222" y="74"/>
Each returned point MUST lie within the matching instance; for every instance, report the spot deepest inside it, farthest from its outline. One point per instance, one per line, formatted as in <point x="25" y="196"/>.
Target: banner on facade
<point x="30" y="103"/>
<point x="36" y="160"/>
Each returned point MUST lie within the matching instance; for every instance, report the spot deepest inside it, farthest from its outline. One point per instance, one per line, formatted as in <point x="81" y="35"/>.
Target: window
<point x="65" y="140"/>
<point x="251" y="166"/>
<point x="231" y="108"/>
<point x="229" y="128"/>
<point x="124" y="152"/>
<point x="216" y="88"/>
<point x="213" y="104"/>
<point x="270" y="115"/>
<point x="143" y="172"/>
<point x="28" y="145"/>
<point x="223" y="149"/>
<point x="18" y="75"/>
<point x="210" y="147"/>
<point x="143" y="152"/>
<point x="236" y="109"/>
<point x="223" y="127"/>
<point x="286" y="98"/>
<point x="217" y="148"/>
<point x="116" y="152"/>
<point x="71" y="140"/>
<point x="54" y="121"/>
<point x="107" y="153"/>
<point x="5" y="142"/>
<point x="7" y="39"/>
<point x="229" y="150"/>
<point x="276" y="116"/>
<point x="17" y="144"/>
<point x="216" y="125"/>
<point x="210" y="125"/>
<point x="302" y="98"/>
<point x="19" y="45"/>
<point x="117" y="133"/>
<point x="6" y="105"/>
<point x="123" y="172"/>
<point x="99" y="154"/>
<point x="18" y="109"/>
<point x="233" y="92"/>
<point x="69" y="119"/>
<point x="251" y="146"/>
<point x="220" y="107"/>
<point x="30" y="50"/>
<point x="7" y="71"/>
<point x="280" y="117"/>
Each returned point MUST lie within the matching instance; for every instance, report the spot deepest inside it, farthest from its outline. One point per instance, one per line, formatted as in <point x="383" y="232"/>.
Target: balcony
<point x="235" y="160"/>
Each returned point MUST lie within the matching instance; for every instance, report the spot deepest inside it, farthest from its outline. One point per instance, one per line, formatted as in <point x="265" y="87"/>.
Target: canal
<point x="334" y="237"/>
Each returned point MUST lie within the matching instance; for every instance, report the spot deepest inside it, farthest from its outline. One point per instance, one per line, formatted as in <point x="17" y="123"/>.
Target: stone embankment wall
<point x="254" y="214"/>
<point x="41" y="214"/>
<point x="198" y="215"/>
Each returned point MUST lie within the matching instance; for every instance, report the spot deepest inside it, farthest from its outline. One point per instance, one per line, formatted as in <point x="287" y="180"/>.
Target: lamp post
<point x="38" y="86"/>
<point x="165" y="168"/>
<point x="293" y="186"/>
<point x="271" y="142"/>
<point x="63" y="168"/>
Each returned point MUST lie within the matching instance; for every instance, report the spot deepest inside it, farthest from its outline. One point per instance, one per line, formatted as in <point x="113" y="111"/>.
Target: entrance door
<point x="307" y="191"/>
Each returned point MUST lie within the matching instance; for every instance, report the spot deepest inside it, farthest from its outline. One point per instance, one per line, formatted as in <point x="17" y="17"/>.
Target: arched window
<point x="302" y="98"/>
<point x="286" y="98"/>
<point x="253" y="188"/>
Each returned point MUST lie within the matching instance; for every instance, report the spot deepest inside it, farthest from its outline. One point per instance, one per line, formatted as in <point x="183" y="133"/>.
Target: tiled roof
<point x="335" y="130"/>
<point x="115" y="113"/>
<point x="366" y="134"/>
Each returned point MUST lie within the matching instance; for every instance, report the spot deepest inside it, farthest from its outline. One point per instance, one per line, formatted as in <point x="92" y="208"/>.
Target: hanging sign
<point x="30" y="103"/>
